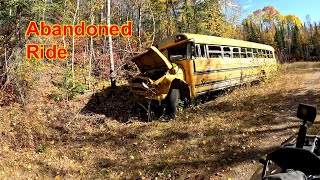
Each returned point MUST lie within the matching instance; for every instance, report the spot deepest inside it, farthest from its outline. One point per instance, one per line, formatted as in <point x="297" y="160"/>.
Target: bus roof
<point x="205" y="39"/>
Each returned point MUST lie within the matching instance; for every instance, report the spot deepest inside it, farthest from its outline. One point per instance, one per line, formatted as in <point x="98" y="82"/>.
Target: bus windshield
<point x="178" y="52"/>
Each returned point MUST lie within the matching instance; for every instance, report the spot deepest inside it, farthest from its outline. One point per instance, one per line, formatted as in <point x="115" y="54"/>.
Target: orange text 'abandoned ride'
<point x="79" y="30"/>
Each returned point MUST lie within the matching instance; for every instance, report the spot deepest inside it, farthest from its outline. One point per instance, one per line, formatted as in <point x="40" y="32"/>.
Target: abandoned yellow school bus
<point x="185" y="66"/>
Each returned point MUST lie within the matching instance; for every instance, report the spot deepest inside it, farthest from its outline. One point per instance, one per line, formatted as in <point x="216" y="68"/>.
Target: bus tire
<point x="173" y="102"/>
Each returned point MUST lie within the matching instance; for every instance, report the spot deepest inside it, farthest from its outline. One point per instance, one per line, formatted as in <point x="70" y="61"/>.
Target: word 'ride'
<point x="39" y="52"/>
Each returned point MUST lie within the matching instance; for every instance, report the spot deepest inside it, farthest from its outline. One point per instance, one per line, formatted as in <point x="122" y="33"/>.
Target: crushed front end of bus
<point x="152" y="87"/>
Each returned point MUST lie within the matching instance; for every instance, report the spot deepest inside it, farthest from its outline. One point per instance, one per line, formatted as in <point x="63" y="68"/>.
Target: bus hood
<point x="152" y="59"/>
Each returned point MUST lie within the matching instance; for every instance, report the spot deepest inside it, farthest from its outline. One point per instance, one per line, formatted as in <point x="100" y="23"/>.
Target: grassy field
<point x="100" y="135"/>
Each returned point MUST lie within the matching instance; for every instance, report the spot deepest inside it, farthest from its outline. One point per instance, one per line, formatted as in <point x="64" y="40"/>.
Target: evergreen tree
<point x="316" y="39"/>
<point x="279" y="38"/>
<point x="296" y="44"/>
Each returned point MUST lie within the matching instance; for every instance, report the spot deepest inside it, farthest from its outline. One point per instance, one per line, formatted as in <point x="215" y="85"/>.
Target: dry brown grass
<point x="300" y="66"/>
<point x="212" y="140"/>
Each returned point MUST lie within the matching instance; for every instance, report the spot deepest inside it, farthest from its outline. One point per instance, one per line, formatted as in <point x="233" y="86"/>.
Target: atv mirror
<point x="307" y="112"/>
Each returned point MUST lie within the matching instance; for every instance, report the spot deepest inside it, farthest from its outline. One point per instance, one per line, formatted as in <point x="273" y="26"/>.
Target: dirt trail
<point x="308" y="93"/>
<point x="312" y="81"/>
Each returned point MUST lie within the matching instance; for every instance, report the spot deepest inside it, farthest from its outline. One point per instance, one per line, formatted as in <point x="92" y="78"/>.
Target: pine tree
<point x="296" y="41"/>
<point x="316" y="38"/>
<point x="278" y="37"/>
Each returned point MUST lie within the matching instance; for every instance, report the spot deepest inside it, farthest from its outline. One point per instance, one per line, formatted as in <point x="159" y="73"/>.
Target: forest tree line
<point x="153" y="20"/>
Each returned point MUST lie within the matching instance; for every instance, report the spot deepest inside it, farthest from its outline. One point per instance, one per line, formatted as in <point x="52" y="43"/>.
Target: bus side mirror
<point x="307" y="112"/>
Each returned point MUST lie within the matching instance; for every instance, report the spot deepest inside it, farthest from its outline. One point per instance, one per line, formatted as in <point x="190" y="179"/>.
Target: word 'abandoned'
<point x="80" y="30"/>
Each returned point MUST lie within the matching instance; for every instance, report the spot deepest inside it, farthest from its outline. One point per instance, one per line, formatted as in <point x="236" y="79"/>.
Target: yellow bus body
<point x="209" y="64"/>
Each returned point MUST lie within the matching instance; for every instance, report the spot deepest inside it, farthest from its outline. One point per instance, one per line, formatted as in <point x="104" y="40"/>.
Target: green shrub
<point x="71" y="87"/>
<point x="42" y="148"/>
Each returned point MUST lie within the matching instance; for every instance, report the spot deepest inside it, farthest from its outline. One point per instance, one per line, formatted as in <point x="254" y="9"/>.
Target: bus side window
<point x="243" y="53"/>
<point x="214" y="51"/>
<point x="197" y="50"/>
<point x="260" y="54"/>
<point x="264" y="54"/>
<point x="255" y="53"/>
<point x="235" y="52"/>
<point x="249" y="53"/>
<point x="203" y="51"/>
<point x="226" y="52"/>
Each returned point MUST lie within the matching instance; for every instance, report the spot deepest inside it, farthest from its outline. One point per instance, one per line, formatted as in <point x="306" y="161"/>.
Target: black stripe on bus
<point x="217" y="89"/>
<point x="225" y="80"/>
<point x="224" y="70"/>
<point x="222" y="87"/>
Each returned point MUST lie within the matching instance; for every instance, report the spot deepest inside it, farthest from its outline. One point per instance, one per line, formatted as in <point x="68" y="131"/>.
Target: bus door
<point x="207" y="64"/>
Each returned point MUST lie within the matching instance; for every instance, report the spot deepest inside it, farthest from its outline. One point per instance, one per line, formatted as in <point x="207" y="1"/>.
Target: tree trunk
<point x="84" y="63"/>
<point x="112" y="73"/>
<point x="91" y="46"/>
<point x="63" y="38"/>
<point x="73" y="23"/>
<point x="154" y="25"/>
<point x="139" y="25"/>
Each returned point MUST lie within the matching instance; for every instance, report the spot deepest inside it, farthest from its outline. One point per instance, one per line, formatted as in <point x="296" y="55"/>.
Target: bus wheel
<point x="173" y="103"/>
